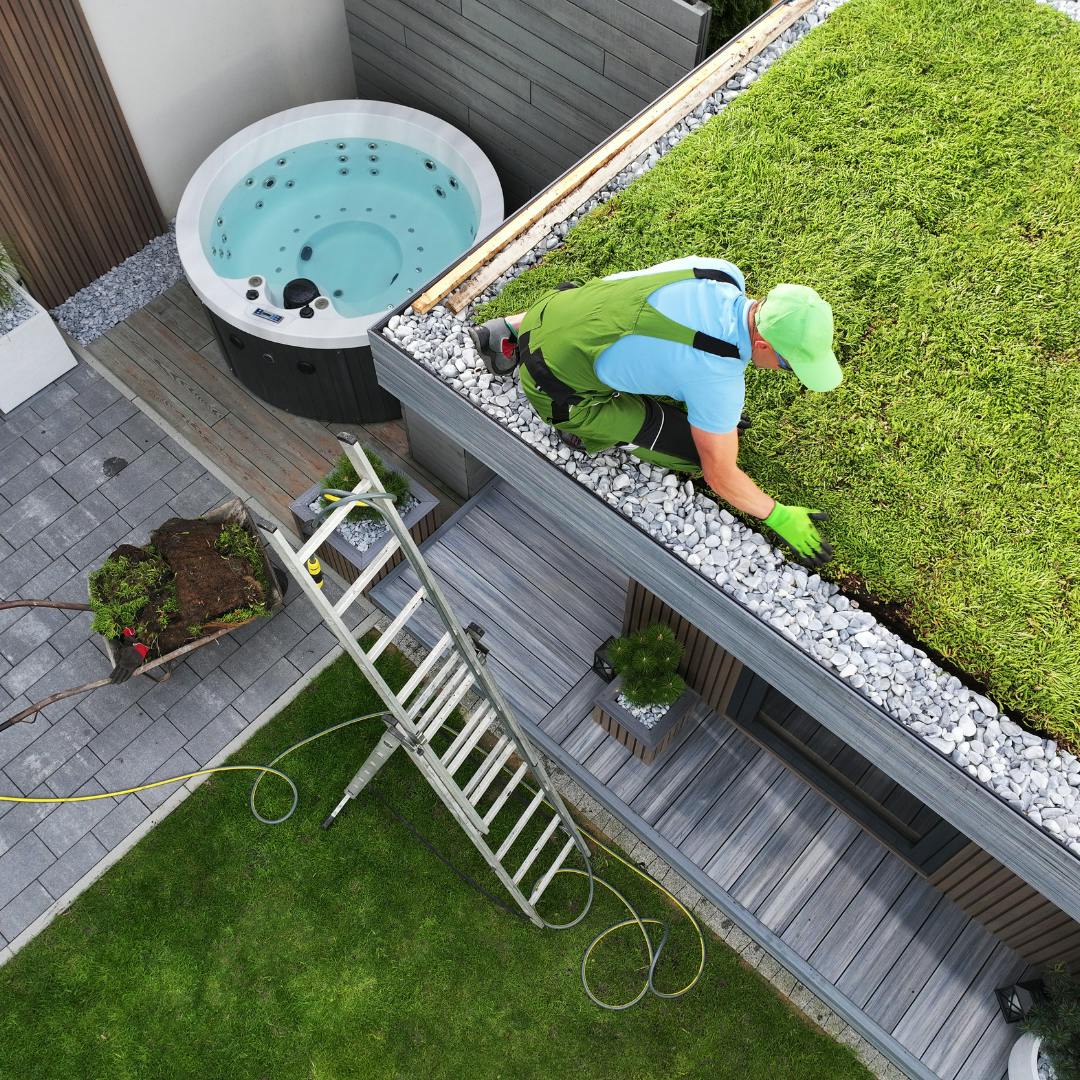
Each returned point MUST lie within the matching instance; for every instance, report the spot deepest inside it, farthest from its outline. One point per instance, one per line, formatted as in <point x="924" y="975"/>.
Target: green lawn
<point x="220" y="948"/>
<point x="916" y="161"/>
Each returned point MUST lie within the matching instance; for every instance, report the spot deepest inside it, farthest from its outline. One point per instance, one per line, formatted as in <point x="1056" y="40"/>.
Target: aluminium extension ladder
<point x="423" y="705"/>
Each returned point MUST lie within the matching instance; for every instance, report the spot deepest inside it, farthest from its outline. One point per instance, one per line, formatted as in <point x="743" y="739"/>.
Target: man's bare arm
<point x="719" y="454"/>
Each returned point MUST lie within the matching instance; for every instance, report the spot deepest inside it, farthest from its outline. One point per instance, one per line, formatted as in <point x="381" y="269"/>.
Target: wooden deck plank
<point x="192" y="332"/>
<point x="572" y="709"/>
<point x="949" y="1048"/>
<point x="868" y="913"/>
<point x="252" y="447"/>
<point x="182" y="296"/>
<point x="878" y="955"/>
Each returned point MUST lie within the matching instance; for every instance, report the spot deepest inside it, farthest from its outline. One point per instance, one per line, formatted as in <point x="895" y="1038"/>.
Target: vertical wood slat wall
<point x="988" y="891"/>
<point x="74" y="197"/>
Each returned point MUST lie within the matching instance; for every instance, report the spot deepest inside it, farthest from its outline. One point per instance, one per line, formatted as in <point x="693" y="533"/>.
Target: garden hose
<point x="654" y="953"/>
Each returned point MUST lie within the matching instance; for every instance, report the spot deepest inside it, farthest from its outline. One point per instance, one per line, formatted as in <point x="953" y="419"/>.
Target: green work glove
<point x="796" y="525"/>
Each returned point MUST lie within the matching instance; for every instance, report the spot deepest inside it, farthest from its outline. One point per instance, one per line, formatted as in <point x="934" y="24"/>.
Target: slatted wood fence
<point x="74" y="198"/>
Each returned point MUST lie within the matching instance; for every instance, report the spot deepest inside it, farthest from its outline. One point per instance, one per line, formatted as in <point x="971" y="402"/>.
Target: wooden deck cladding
<point x="856" y="923"/>
<point x="74" y="197"/>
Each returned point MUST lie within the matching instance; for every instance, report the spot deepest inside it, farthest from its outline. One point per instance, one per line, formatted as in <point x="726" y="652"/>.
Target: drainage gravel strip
<point x="1029" y="772"/>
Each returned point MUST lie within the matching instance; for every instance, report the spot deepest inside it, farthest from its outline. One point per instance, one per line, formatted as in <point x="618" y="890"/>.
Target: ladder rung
<point x="395" y="628"/>
<point x="481" y="780"/>
<point x="545" y="836"/>
<point x="519" y="825"/>
<point x="434" y="718"/>
<point x="500" y="802"/>
<point x="451" y="667"/>
<point x="367" y="576"/>
<point x="541" y="886"/>
<point x="332" y="521"/>
<point x="470" y="735"/>
<point x="420" y="674"/>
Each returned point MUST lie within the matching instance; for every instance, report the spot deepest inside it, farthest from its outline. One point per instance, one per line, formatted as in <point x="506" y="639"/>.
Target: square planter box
<point x="31" y="356"/>
<point x="644" y="742"/>
<point x="346" y="560"/>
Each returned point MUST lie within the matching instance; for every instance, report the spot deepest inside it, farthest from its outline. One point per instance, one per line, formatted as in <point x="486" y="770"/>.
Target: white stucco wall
<point x="190" y="74"/>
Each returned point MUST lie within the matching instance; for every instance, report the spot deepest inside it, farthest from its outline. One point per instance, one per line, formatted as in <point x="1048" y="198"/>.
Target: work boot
<point x="496" y="347"/>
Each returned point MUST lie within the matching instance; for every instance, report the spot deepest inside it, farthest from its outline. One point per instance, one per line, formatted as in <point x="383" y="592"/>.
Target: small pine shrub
<point x="343" y="476"/>
<point x="648" y="662"/>
<point x="1057" y="1021"/>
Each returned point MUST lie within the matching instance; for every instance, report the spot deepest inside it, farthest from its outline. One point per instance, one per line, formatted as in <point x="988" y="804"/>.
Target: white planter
<point x="31" y="356"/>
<point x="1024" y="1058"/>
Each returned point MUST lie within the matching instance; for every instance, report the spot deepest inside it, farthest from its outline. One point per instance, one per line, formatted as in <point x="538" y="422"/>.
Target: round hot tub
<point x="305" y="228"/>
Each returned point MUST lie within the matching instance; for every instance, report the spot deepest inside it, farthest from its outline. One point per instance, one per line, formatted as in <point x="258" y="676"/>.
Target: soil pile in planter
<point x="193" y="577"/>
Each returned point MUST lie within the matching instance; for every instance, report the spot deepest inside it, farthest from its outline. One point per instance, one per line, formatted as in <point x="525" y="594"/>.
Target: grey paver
<point x="70" y="822"/>
<point x="33" y="476"/>
<point x="47" y="581"/>
<point x="151" y="500"/>
<point x="30" y="669"/>
<point x="74" y="525"/>
<point x="55" y="396"/>
<point x="48" y="433"/>
<point x="79" y="440"/>
<point x="141" y="756"/>
<point x="75" y="588"/>
<point x="120" y="820"/>
<point x="19" y="736"/>
<point x="272" y="640"/>
<point x="98" y="397"/>
<point x="158" y="700"/>
<point x="78" y="860"/>
<point x="19" y="567"/>
<point x="213" y="738"/>
<point x="15" y="457"/>
<point x="142" y="431"/>
<point x="98" y="543"/>
<point x="87" y="472"/>
<point x="197" y="498"/>
<point x="103" y="707"/>
<point x="185" y="474"/>
<point x="311" y="648"/>
<point x="23" y="818"/>
<point x="16" y="916"/>
<point x="85" y="664"/>
<point x="198" y="707"/>
<point x="176" y="765"/>
<point x="204" y="660"/>
<point x="49" y="751"/>
<point x="14" y="424"/>
<point x="138" y="476"/>
<point x="34" y="511"/>
<point x="266" y="689"/>
<point x="115" y="736"/>
<point x="78" y="630"/>
<point x="23" y="637"/>
<point x="74" y="772"/>
<point x="112" y="417"/>
<point x="21" y="864"/>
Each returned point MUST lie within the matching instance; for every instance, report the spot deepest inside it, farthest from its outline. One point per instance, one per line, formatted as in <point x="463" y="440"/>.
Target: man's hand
<point x="796" y="525"/>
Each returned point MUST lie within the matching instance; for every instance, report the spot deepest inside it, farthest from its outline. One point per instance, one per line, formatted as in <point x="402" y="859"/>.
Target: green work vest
<point x="565" y="331"/>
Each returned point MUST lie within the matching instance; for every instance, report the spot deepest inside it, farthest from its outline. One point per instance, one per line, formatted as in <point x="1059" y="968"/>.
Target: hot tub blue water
<point x="369" y="221"/>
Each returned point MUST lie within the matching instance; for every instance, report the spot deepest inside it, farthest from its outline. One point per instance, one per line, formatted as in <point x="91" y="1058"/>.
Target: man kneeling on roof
<point x="652" y="361"/>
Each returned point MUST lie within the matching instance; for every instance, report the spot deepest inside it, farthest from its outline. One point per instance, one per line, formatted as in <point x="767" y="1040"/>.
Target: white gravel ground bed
<point x="1026" y="770"/>
<point x="121" y="292"/>
<point x="367" y="531"/>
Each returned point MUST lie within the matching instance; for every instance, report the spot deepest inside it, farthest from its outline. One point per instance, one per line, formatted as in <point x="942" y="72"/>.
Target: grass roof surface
<point x="918" y="163"/>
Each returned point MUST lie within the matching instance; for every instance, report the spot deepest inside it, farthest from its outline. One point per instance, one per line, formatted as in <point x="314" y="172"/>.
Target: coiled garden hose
<point x="653" y="952"/>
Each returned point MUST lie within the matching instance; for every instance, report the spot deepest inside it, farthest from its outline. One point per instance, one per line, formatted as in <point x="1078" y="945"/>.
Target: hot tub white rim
<point x="223" y="168"/>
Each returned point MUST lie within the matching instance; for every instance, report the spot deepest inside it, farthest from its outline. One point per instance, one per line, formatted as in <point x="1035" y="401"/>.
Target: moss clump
<point x="343" y="476"/>
<point x="647" y="662"/>
<point x="915" y="162"/>
<point x="136" y="593"/>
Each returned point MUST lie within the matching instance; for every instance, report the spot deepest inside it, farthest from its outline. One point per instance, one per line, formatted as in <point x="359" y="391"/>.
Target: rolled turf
<point x="915" y="161"/>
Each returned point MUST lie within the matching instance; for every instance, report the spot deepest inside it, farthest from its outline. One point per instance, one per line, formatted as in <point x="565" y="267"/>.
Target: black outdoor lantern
<point x="1016" y="1001"/>
<point x="601" y="662"/>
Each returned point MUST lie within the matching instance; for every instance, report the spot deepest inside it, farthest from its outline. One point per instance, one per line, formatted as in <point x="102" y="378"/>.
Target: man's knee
<point x="666" y="437"/>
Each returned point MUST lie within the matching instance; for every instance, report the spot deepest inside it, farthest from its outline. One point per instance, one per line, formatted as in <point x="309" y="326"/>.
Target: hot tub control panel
<point x="269" y="316"/>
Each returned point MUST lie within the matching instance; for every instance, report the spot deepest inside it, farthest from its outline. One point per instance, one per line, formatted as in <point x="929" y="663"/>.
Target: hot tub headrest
<point x="299" y="292"/>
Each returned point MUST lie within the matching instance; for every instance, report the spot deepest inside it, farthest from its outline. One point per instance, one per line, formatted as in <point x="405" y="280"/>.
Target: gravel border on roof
<point x="1026" y="770"/>
<point x="122" y="291"/>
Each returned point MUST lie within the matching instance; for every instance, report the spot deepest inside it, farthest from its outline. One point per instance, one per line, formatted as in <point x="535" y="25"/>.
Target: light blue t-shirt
<point x="712" y="386"/>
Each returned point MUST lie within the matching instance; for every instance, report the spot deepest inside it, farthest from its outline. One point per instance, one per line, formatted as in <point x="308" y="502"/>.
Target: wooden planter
<point x="346" y="560"/>
<point x="644" y="742"/>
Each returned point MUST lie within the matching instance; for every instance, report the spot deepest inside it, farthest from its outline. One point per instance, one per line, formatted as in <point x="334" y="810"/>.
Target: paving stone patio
<point x="82" y="470"/>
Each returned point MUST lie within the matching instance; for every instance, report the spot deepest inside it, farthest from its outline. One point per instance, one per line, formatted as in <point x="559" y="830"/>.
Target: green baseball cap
<point x="798" y="324"/>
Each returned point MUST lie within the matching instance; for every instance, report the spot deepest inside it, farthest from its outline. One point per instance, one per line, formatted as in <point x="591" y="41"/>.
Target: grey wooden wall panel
<point x="537" y="83"/>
